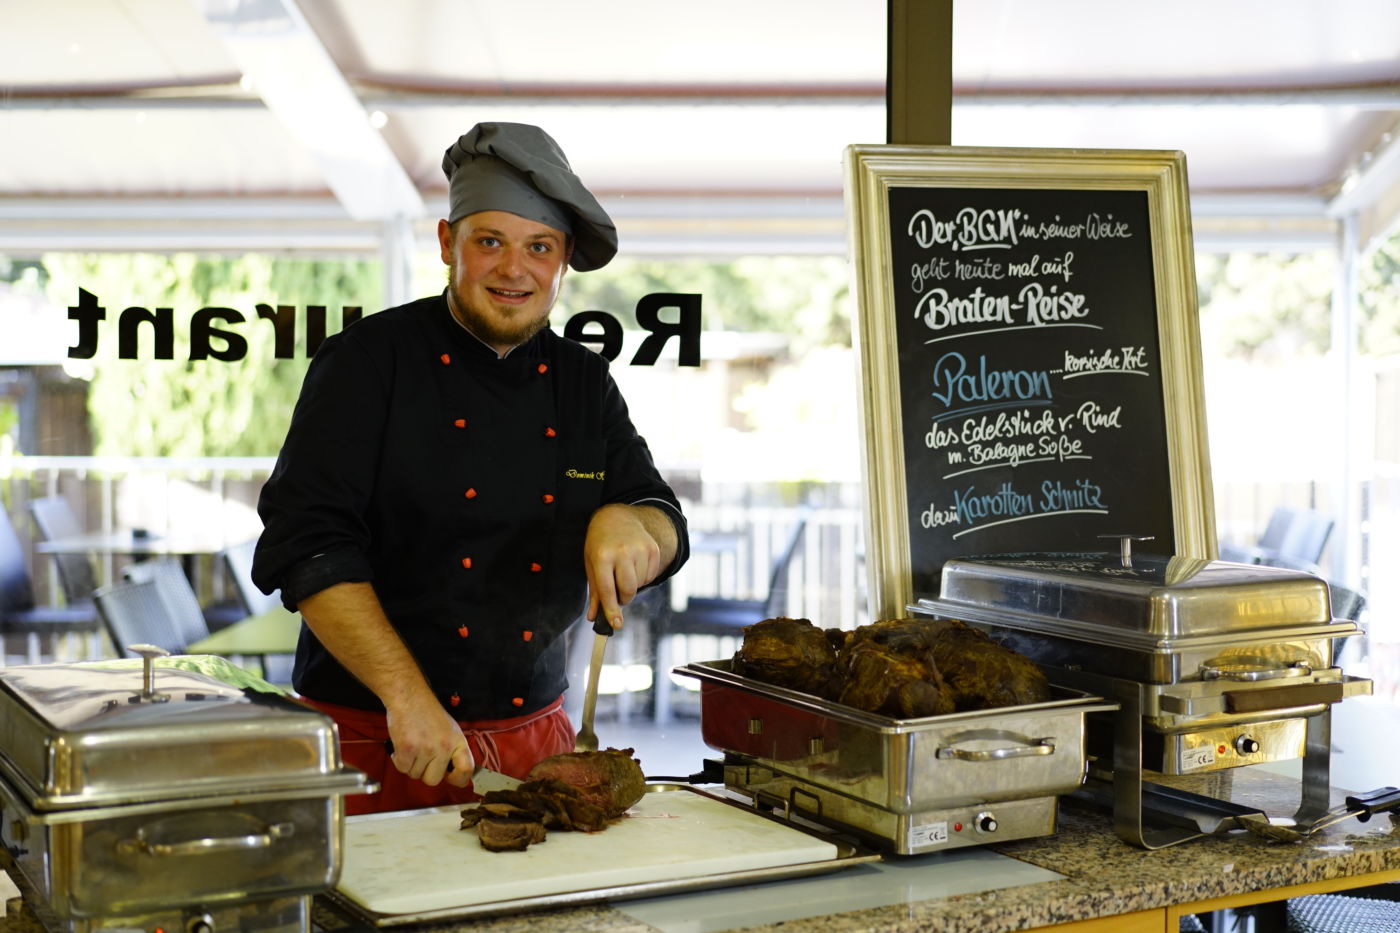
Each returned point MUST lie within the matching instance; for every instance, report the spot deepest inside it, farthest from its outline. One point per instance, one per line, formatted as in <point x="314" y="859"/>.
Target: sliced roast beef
<point x="509" y="833"/>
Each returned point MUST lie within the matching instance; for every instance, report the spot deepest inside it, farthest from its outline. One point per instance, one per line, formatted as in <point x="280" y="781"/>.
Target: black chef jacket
<point x="461" y="485"/>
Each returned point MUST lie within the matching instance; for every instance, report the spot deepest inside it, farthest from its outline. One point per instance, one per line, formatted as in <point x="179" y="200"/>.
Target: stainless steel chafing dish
<point x="1214" y="664"/>
<point x="165" y="798"/>
<point x="901" y="785"/>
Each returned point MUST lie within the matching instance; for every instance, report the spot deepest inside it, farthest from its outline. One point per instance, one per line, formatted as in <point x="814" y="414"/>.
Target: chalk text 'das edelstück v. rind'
<point x="1003" y="425"/>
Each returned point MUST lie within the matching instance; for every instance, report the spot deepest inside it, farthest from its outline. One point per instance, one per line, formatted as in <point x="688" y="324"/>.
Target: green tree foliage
<point x="804" y="297"/>
<point x="209" y="407"/>
<point x="1266" y="306"/>
<point x="1379" y="300"/>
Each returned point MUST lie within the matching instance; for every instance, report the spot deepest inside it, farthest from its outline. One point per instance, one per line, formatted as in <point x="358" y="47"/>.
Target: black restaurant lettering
<point x="214" y="333"/>
<point x="1029" y="372"/>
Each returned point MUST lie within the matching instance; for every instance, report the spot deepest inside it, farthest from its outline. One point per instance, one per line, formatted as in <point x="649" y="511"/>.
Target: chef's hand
<point x="622" y="552"/>
<point x="426" y="741"/>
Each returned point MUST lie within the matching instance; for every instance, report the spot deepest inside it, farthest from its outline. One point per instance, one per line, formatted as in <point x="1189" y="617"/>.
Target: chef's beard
<point x="486" y="327"/>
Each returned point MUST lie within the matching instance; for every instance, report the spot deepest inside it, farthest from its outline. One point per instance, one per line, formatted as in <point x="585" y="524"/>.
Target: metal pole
<point x="1344" y="339"/>
<point x="919" y="73"/>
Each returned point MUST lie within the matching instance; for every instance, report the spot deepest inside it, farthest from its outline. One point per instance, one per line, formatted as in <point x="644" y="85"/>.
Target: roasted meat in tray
<point x="906" y="668"/>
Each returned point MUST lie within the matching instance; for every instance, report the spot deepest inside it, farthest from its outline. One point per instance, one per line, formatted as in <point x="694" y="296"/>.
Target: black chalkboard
<point x="1030" y="357"/>
<point x="1029" y="372"/>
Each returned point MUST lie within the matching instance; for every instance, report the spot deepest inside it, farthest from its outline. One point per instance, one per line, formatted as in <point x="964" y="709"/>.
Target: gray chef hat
<point x="518" y="168"/>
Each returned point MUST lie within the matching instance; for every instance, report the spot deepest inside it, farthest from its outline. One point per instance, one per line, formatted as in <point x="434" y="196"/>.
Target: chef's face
<point x="504" y="274"/>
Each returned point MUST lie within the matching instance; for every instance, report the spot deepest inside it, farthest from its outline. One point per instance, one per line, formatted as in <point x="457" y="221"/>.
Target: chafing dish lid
<point x="83" y="735"/>
<point x="1146" y="599"/>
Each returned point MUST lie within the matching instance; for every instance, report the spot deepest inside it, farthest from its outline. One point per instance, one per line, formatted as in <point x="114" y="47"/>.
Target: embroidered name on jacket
<point x="580" y="474"/>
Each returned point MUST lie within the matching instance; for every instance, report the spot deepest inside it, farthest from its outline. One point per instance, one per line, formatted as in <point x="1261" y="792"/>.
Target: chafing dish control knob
<point x="1246" y="745"/>
<point x="1125" y="546"/>
<point x="200" y="923"/>
<point x="149" y="693"/>
<point x="985" y="822"/>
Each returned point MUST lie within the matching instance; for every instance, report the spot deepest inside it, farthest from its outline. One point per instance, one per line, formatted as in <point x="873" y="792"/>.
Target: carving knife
<point x="484" y="779"/>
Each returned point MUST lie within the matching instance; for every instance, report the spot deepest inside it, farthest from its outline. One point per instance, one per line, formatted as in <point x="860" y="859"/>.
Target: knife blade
<point x="484" y="779"/>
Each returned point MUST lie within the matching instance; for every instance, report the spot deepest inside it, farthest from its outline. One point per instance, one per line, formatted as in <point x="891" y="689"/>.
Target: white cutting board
<point x="422" y="861"/>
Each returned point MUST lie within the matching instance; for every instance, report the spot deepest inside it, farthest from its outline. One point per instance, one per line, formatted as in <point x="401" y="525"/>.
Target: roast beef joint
<point x="580" y="791"/>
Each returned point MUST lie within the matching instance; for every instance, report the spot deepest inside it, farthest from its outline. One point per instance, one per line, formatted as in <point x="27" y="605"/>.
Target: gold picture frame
<point x="1064" y="252"/>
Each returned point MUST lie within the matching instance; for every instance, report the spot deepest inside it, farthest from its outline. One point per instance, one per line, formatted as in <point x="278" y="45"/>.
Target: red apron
<point x="511" y="746"/>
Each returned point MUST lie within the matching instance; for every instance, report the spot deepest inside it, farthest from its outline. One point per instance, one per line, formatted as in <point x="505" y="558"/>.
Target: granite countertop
<point x="1103" y="875"/>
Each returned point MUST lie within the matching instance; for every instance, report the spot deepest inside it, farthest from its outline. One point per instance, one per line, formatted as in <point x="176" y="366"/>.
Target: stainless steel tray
<point x="78" y="737"/>
<point x="146" y="860"/>
<point x="1148" y="602"/>
<point x="903" y="766"/>
<point x="847" y="854"/>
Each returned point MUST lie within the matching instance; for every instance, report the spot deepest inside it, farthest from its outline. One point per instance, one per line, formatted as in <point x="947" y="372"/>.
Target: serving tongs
<point x="587" y="739"/>
<point x="1175" y="810"/>
<point x="1361" y="806"/>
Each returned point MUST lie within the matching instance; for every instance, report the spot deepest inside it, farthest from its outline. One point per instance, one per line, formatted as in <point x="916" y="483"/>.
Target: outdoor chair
<point x="176" y="595"/>
<point x="247" y="599"/>
<point x="1293" y="538"/>
<point x="55" y="519"/>
<point x="719" y="616"/>
<point x="1304" y="541"/>
<point x="136" y="614"/>
<point x="1349" y="605"/>
<point x="182" y="614"/>
<point x="20" y="615"/>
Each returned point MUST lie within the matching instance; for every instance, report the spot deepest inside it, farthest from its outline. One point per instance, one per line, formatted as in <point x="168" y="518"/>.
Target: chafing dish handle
<point x="1287" y="697"/>
<point x="1045" y="746"/>
<point x="140" y="845"/>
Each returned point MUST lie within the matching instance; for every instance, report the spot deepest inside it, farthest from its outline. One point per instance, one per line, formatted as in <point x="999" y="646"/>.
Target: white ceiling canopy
<point x="716" y="127"/>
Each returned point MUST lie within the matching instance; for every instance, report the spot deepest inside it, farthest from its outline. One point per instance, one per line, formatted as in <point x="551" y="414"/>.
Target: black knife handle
<point x="1376" y="801"/>
<point x="602" y="626"/>
<point x="389" y="747"/>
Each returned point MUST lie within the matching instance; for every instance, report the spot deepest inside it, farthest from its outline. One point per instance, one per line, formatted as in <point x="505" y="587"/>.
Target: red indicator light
<point x="1220" y="749"/>
<point x="957" y="827"/>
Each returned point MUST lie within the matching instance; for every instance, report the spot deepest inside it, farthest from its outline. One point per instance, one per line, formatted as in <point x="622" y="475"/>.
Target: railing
<point x="200" y="495"/>
<point x="213" y="497"/>
<point x="828" y="584"/>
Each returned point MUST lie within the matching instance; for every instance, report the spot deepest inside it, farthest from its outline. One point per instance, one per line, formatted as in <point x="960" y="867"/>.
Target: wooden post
<point x="919" y="75"/>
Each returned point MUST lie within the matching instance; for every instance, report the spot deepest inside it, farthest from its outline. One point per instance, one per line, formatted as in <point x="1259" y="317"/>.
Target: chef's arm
<point x="626" y="547"/>
<point x="349" y="621"/>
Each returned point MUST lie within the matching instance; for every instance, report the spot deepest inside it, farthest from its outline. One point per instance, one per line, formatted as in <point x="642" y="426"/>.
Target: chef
<point x="458" y="486"/>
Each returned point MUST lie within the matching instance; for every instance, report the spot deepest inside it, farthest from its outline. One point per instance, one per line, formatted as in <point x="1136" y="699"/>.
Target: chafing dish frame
<point x="1172" y="686"/>
<point x="269" y="839"/>
<point x="895" y="783"/>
